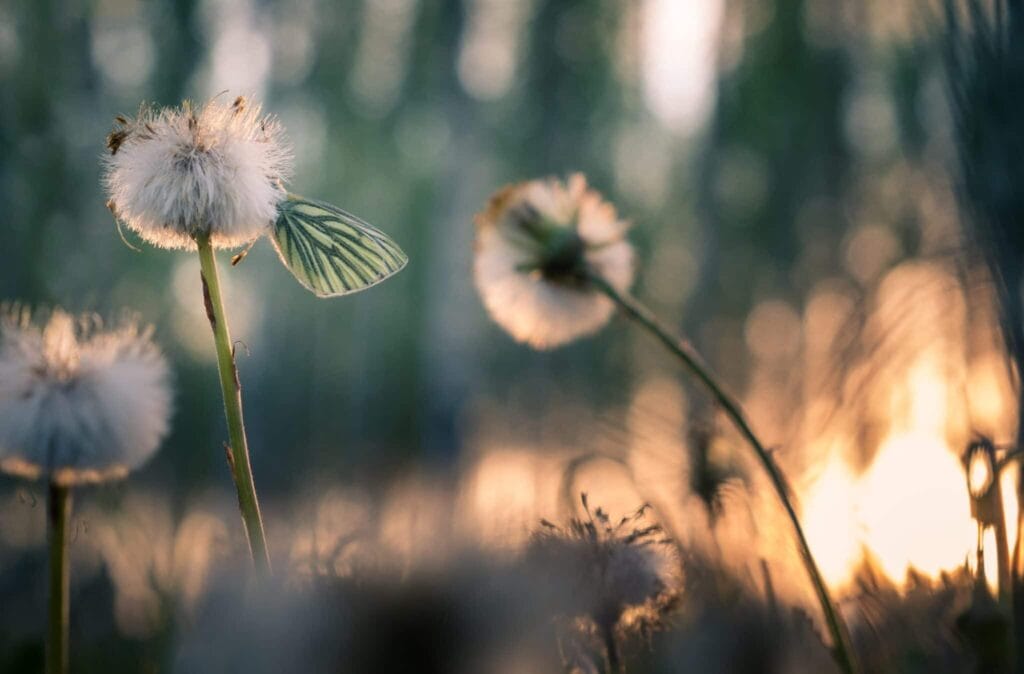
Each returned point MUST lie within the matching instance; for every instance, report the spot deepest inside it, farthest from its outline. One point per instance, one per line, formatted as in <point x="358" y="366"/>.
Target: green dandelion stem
<point x="681" y="348"/>
<point x="238" y="449"/>
<point x="58" y="513"/>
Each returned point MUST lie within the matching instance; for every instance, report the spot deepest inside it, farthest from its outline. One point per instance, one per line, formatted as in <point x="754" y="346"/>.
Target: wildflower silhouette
<point x="213" y="177"/>
<point x="78" y="405"/>
<point x="552" y="263"/>
<point x="607" y="569"/>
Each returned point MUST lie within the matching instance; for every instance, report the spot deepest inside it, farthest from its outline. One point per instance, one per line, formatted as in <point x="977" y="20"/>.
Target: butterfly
<point x="330" y="251"/>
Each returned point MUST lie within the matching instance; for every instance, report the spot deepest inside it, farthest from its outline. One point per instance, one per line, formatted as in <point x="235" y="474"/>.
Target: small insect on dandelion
<point x="537" y="243"/>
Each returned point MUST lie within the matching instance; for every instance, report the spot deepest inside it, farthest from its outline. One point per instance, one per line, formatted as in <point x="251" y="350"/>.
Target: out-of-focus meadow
<point x="786" y="165"/>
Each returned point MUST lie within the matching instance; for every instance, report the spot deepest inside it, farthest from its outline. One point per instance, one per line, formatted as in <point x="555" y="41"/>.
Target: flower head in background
<point x="79" y="404"/>
<point x="178" y="173"/>
<point x="535" y="244"/>
<point x="609" y="569"/>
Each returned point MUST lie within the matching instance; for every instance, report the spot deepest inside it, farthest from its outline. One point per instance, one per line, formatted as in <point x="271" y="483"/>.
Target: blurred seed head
<point x="610" y="570"/>
<point x="174" y="174"/>
<point x="535" y="241"/>
<point x="79" y="403"/>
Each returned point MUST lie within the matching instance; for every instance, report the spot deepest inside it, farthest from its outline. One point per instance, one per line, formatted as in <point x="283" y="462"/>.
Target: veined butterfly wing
<point x="332" y="252"/>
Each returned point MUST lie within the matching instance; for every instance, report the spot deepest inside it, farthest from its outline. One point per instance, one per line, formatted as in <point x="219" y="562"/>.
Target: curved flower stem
<point x="238" y="450"/>
<point x="611" y="649"/>
<point x="58" y="512"/>
<point x="682" y="349"/>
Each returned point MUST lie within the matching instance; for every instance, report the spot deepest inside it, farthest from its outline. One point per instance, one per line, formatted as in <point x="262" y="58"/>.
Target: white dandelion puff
<point x="79" y="404"/>
<point x="535" y="244"/>
<point x="176" y="174"/>
<point x="607" y="568"/>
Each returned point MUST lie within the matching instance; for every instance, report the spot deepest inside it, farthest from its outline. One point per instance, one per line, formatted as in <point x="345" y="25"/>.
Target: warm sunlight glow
<point x="991" y="560"/>
<point x="979" y="474"/>
<point x="679" y="68"/>
<point x="502" y="497"/>
<point x="910" y="507"/>
<point x="914" y="506"/>
<point x="831" y="522"/>
<point x="989" y="391"/>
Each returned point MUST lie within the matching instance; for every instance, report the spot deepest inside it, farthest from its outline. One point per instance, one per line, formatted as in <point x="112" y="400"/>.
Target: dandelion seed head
<point x="175" y="174"/>
<point x="612" y="569"/>
<point x="534" y="241"/>
<point x="79" y="404"/>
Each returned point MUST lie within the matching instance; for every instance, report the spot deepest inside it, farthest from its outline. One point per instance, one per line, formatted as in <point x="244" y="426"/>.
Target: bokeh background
<point x="786" y="167"/>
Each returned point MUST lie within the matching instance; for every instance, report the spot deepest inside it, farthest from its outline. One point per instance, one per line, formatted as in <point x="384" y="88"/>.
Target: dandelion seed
<point x="535" y="242"/>
<point x="79" y="404"/>
<point x="179" y="173"/>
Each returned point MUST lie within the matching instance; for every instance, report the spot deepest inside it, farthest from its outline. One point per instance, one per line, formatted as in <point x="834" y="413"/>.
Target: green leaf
<point x="332" y="252"/>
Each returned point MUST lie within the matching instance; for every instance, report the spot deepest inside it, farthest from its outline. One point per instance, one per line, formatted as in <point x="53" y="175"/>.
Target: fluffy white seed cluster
<point x="607" y="569"/>
<point x="179" y="173"/>
<point x="532" y="242"/>
<point x="79" y="404"/>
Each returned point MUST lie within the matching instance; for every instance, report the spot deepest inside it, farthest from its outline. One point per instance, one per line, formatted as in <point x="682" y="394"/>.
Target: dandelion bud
<point x="536" y="244"/>
<point x="79" y="404"/>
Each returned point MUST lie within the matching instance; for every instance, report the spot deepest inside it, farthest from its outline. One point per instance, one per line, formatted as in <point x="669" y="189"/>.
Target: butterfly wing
<point x="332" y="252"/>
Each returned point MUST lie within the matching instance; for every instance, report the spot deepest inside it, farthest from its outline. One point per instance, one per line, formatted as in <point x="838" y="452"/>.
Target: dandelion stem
<point x="241" y="470"/>
<point x="612" y="648"/>
<point x="58" y="512"/>
<point x="685" y="351"/>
